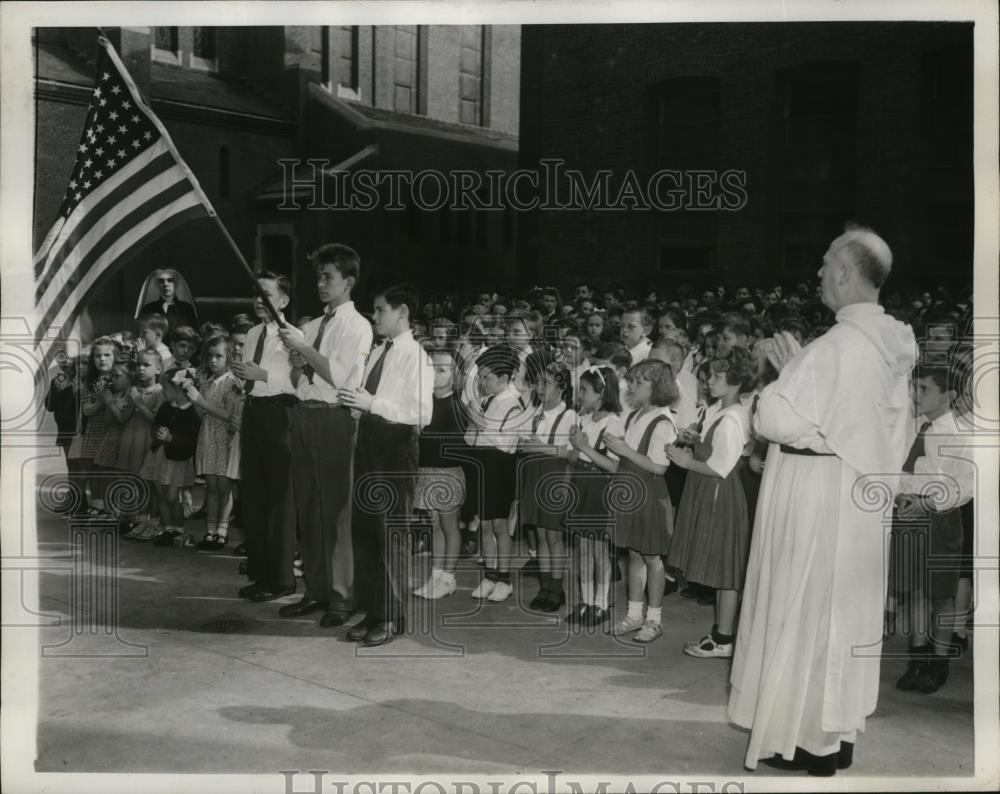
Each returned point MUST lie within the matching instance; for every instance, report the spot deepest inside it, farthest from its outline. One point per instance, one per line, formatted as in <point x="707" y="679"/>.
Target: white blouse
<point x="610" y="424"/>
<point x="731" y="435"/>
<point x="664" y="433"/>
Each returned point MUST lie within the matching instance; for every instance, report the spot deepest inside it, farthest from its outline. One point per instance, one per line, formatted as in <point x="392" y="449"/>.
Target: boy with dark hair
<point x="397" y="399"/>
<point x="927" y="528"/>
<point x="328" y="354"/>
<point x="265" y="449"/>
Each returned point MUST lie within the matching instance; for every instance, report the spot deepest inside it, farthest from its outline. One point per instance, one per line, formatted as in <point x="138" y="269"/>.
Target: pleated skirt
<point x="712" y="533"/>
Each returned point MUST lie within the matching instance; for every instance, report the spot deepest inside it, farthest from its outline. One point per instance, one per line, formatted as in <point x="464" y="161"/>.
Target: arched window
<point x="818" y="103"/>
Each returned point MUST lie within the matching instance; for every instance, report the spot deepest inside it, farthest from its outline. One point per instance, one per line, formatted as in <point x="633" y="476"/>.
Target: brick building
<point x="831" y="121"/>
<point x="238" y="100"/>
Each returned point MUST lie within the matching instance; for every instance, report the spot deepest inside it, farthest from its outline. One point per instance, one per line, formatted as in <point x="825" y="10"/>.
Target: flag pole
<point x="109" y="47"/>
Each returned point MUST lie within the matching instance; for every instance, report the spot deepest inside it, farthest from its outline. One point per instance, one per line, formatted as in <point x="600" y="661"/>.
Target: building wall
<point x="586" y="98"/>
<point x="272" y="67"/>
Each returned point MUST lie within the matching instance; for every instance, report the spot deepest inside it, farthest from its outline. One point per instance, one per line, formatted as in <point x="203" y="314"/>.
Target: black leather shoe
<point x="359" y="630"/>
<point x="553" y="601"/>
<point x="689" y="592"/>
<point x="578" y="615"/>
<point x="539" y="600"/>
<point x="250" y="589"/>
<point x="333" y="618"/>
<point x="384" y="632"/>
<point x="267" y="594"/>
<point x="846" y="755"/>
<point x="300" y="608"/>
<point x="933" y="676"/>
<point x="814" y="765"/>
<point x="241" y="550"/>
<point x="670" y="587"/>
<point x="918" y="661"/>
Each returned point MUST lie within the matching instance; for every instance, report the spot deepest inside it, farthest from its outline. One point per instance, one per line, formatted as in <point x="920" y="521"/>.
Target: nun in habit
<point x="166" y="292"/>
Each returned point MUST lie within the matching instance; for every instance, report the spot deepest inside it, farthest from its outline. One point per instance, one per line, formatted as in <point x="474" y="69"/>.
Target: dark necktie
<point x="258" y="354"/>
<point x="308" y="370"/>
<point x="917" y="450"/>
<point x="375" y="376"/>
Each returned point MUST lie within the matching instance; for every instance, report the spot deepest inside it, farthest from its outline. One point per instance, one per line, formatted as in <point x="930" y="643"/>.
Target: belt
<point x="280" y="399"/>
<point x="321" y="404"/>
<point x="807" y="452"/>
<point x="589" y="466"/>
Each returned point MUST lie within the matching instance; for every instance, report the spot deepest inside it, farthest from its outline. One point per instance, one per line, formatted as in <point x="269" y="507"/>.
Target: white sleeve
<point x="727" y="446"/>
<point x="664" y="433"/>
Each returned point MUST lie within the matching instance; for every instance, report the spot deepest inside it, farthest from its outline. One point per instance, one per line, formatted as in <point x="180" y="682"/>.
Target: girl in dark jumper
<point x="169" y="463"/>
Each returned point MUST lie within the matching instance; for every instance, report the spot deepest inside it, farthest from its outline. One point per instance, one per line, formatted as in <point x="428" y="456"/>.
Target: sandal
<point x="649" y="632"/>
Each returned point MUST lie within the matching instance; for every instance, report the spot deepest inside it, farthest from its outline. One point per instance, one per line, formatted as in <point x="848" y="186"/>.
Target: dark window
<point x="224" y="171"/>
<point x="276" y="251"/>
<point x="345" y="48"/>
<point x="203" y="43"/>
<point x="319" y="44"/>
<point x="819" y="110"/>
<point x="406" y="70"/>
<point x="470" y="75"/>
<point x="165" y="39"/>
<point x="949" y="106"/>
<point x="686" y="111"/>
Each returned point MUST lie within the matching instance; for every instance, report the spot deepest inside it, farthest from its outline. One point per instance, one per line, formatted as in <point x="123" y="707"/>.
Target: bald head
<point x="855" y="267"/>
<point x="869" y="253"/>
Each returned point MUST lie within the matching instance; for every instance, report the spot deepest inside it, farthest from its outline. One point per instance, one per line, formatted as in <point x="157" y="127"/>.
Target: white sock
<point x="587" y="592"/>
<point x="222" y="529"/>
<point x="601" y="598"/>
<point x="654" y="615"/>
<point x="669" y="577"/>
<point x="635" y="610"/>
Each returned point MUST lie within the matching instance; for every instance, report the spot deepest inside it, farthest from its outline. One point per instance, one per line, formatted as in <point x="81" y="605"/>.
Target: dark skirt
<point x="712" y="533"/>
<point x="587" y="511"/>
<point x="643" y="514"/>
<point x="542" y="485"/>
<point x="925" y="553"/>
<point x="495" y="470"/>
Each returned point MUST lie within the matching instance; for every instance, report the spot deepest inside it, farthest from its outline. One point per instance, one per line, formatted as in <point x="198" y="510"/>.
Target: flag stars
<point x="111" y="140"/>
<point x="83" y="148"/>
<point x="121" y="153"/>
<point x="115" y="90"/>
<point x="72" y="184"/>
<point x="78" y="196"/>
<point x="98" y="174"/>
<point x="86" y="185"/>
<point x="99" y="151"/>
<point x="147" y="135"/>
<point x="105" y="76"/>
<point x="104" y="102"/>
<point x="135" y="119"/>
<point x="87" y="163"/>
<point x="97" y="92"/>
<point x="100" y="128"/>
<point x="136" y="144"/>
<point x="122" y="129"/>
<point x="111" y="163"/>
<point x="113" y="115"/>
<point x="126" y="104"/>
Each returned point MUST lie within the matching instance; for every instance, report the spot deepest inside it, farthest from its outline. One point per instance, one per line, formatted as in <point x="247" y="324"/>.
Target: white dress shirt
<point x="641" y="351"/>
<point x="947" y="462"/>
<point x="729" y="439"/>
<point x="405" y="392"/>
<point x="611" y="424"/>
<point x="501" y="423"/>
<point x="274" y="360"/>
<point x="686" y="408"/>
<point x="546" y="421"/>
<point x="346" y="341"/>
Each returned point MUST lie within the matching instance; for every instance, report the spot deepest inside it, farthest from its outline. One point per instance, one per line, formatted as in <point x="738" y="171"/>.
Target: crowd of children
<point x="615" y="437"/>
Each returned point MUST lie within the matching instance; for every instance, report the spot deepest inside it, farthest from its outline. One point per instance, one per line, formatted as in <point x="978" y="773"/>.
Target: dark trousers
<point x="385" y="466"/>
<point x="322" y="449"/>
<point x="266" y="490"/>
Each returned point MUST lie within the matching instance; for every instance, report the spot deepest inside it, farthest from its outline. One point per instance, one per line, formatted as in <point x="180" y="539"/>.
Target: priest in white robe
<point x="806" y="667"/>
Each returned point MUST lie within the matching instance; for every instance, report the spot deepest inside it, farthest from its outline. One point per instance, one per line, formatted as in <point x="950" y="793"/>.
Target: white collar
<point x="859" y="310"/>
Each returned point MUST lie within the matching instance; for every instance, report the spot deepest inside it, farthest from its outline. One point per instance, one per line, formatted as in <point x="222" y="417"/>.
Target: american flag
<point x="129" y="186"/>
